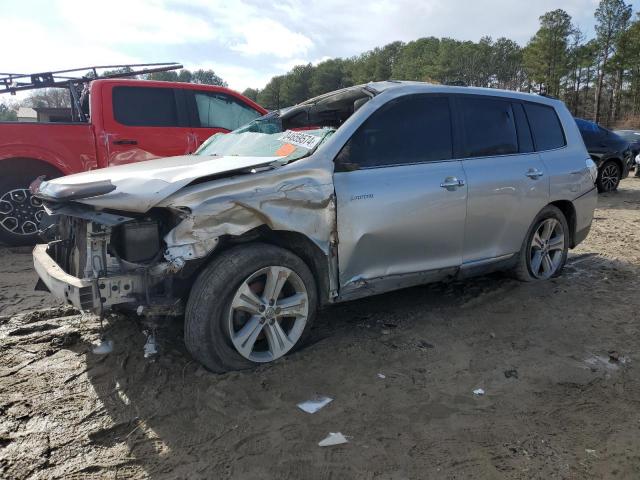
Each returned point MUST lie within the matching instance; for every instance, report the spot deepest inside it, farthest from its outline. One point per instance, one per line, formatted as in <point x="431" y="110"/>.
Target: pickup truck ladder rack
<point x="73" y="78"/>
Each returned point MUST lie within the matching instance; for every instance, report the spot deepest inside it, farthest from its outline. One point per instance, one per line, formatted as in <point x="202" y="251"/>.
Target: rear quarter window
<point x="145" y="107"/>
<point x="545" y="126"/>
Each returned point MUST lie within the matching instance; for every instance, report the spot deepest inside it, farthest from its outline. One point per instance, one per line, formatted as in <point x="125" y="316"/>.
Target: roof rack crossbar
<point x="15" y="82"/>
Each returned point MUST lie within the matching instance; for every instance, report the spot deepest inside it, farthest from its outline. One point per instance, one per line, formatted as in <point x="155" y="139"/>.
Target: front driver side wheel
<point x="252" y="304"/>
<point x="544" y="250"/>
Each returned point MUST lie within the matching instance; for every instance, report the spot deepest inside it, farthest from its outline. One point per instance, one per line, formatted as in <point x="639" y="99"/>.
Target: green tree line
<point x="598" y="78"/>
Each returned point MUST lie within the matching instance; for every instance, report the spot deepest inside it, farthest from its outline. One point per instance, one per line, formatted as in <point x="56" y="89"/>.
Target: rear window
<point x="586" y="127"/>
<point x="145" y="107"/>
<point x="545" y="126"/>
<point x="489" y="127"/>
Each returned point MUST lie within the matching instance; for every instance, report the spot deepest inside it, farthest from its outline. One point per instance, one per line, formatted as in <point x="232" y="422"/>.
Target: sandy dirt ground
<point x="558" y="361"/>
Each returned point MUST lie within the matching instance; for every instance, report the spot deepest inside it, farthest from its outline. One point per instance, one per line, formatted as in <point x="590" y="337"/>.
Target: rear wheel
<point x="544" y="250"/>
<point x="252" y="304"/>
<point x="609" y="176"/>
<point x="20" y="212"/>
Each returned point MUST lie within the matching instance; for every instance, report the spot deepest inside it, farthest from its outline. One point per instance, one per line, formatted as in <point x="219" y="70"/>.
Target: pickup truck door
<point x="216" y="112"/>
<point x="142" y="123"/>
<point x="401" y="198"/>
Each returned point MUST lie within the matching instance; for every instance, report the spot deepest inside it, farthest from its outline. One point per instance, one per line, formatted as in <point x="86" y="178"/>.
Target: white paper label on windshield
<point x="300" y="139"/>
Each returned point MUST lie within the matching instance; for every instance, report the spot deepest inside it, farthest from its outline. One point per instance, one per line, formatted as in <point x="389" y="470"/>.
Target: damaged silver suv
<point x="353" y="193"/>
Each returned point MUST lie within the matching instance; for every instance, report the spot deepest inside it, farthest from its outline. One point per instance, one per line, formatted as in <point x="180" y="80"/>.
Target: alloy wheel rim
<point x="20" y="212"/>
<point x="268" y="314"/>
<point x="610" y="177"/>
<point x="546" y="248"/>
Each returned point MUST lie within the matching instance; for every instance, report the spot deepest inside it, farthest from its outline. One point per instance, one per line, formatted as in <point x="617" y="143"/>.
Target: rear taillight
<point x="593" y="169"/>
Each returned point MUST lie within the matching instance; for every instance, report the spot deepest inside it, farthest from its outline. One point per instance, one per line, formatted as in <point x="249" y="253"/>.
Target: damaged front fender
<point x="290" y="198"/>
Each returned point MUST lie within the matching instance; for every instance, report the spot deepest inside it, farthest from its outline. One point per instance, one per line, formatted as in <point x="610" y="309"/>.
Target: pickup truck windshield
<point x="264" y="137"/>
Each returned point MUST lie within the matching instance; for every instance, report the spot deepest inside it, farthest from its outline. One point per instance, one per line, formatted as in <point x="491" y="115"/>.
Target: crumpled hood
<point x="140" y="186"/>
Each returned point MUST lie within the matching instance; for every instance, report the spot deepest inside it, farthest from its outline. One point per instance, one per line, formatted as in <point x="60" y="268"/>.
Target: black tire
<point x="609" y="176"/>
<point x="18" y="218"/>
<point x="206" y="332"/>
<point x="523" y="270"/>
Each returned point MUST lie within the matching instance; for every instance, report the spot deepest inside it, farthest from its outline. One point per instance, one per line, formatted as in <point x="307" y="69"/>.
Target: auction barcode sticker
<point x="300" y="139"/>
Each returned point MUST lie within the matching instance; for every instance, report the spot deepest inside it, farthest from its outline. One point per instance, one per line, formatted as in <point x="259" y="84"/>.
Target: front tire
<point x="20" y="212"/>
<point x="544" y="251"/>
<point x="252" y="304"/>
<point x="609" y="177"/>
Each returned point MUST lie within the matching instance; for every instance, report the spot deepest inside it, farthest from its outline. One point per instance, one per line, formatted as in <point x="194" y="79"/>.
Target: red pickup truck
<point x="129" y="121"/>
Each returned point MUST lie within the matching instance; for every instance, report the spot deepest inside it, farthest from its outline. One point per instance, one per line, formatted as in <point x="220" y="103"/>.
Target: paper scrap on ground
<point x="103" y="347"/>
<point x="315" y="404"/>
<point x="478" y="391"/>
<point x="382" y="375"/>
<point x="150" y="347"/>
<point x="336" y="438"/>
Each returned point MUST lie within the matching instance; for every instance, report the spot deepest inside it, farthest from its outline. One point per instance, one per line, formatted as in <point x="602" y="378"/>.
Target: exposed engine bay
<point x="123" y="256"/>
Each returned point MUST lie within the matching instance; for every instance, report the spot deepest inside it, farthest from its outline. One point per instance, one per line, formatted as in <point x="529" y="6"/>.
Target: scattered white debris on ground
<point x="332" y="439"/>
<point x="103" y="347"/>
<point x="315" y="404"/>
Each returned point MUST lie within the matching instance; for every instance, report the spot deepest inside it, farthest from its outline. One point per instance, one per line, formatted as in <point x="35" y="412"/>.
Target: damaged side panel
<point x="299" y="199"/>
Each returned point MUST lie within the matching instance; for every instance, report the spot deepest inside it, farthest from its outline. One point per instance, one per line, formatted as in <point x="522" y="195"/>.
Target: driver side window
<point x="410" y="129"/>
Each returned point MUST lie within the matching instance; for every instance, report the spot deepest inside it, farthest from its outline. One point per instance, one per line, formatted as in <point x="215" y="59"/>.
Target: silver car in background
<point x="354" y="193"/>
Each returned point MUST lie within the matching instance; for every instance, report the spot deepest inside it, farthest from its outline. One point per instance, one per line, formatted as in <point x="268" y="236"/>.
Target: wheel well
<point x="295" y="242"/>
<point x="617" y="160"/>
<point x="308" y="251"/>
<point x="14" y="166"/>
<point x="569" y="212"/>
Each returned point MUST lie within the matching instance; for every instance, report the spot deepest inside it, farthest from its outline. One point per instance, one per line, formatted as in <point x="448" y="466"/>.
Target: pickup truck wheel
<point x="252" y="304"/>
<point x="609" y="177"/>
<point x="544" y="250"/>
<point x="20" y="213"/>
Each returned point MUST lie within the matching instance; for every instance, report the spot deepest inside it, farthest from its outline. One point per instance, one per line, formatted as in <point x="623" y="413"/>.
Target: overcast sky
<point x="246" y="42"/>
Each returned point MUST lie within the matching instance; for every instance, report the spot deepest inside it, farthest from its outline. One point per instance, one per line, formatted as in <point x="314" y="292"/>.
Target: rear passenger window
<point x="410" y="129"/>
<point x="489" y="127"/>
<point x="545" y="126"/>
<point x="217" y="110"/>
<point x="145" y="107"/>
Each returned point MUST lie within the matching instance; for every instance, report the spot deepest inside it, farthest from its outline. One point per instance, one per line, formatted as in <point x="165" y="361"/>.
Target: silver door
<point x="508" y="181"/>
<point x="399" y="220"/>
<point x="401" y="203"/>
<point x="505" y="194"/>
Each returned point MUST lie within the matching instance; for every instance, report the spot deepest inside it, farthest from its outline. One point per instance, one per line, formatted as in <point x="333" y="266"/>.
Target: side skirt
<point x="360" y="288"/>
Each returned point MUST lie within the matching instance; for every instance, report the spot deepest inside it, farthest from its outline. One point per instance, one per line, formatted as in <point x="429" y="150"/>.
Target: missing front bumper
<point x="126" y="291"/>
<point x="78" y="292"/>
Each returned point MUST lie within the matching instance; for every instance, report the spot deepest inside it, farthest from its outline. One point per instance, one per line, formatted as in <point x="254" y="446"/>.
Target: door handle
<point x="534" y="173"/>
<point x="451" y="183"/>
<point x="125" y="142"/>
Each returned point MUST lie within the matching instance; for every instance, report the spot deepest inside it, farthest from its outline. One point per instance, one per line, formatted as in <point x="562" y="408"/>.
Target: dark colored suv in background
<point x="633" y="137"/>
<point x="610" y="152"/>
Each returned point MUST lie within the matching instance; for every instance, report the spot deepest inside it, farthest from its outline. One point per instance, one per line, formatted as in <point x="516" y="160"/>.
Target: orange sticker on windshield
<point x="286" y="149"/>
